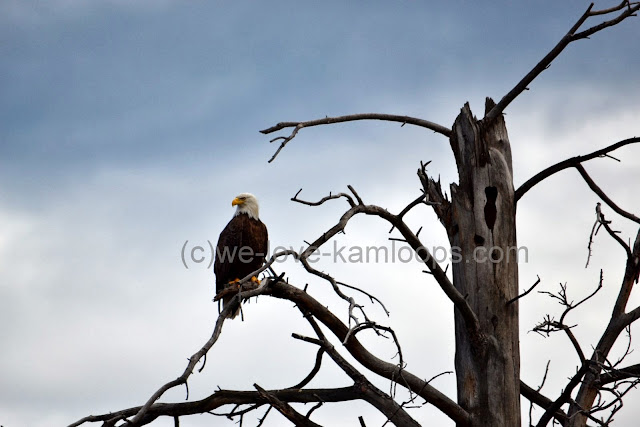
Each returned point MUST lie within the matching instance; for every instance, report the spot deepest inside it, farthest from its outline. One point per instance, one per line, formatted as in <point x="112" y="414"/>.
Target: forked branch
<point x="591" y="386"/>
<point x="571" y="36"/>
<point x="549" y="325"/>
<point x="471" y="320"/>
<point x="572" y="162"/>
<point x="285" y="409"/>
<point x="563" y="398"/>
<point x="630" y="372"/>
<point x="387" y="370"/>
<point x="376" y="397"/>
<point x="221" y="398"/>
<point x="534" y="396"/>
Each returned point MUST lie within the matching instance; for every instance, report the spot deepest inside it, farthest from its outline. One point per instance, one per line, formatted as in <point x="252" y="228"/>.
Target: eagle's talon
<point x="254" y="279"/>
<point x="234" y="283"/>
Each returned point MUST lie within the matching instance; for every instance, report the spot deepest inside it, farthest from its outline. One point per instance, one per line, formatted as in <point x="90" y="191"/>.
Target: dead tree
<point x="480" y="222"/>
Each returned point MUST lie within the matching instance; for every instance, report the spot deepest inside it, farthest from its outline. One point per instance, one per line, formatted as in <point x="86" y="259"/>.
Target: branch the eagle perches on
<point x="595" y="375"/>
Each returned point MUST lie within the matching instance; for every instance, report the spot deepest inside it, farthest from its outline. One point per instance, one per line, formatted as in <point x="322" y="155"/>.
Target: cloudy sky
<point x="128" y="127"/>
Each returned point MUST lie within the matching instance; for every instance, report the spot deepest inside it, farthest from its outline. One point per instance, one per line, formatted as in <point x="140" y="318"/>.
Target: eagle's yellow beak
<point x="237" y="201"/>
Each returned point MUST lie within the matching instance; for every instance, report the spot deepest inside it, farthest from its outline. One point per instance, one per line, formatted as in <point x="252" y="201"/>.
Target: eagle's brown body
<point x="242" y="246"/>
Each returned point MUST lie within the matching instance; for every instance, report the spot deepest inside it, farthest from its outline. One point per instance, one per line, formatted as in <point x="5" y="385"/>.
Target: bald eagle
<point x="242" y="246"/>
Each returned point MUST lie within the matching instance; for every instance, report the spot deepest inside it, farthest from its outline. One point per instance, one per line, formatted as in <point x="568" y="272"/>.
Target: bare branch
<point x="182" y="379"/>
<point x="603" y="196"/>
<point x="314" y="371"/>
<point x="285" y="409"/>
<point x="627" y="352"/>
<point x="617" y="238"/>
<point x="542" y="401"/>
<point x="281" y="289"/>
<point x="413" y="204"/>
<point x="601" y="222"/>
<point x="619" y="321"/>
<point x="355" y="194"/>
<point x="371" y="297"/>
<point x="622" y="5"/>
<point x="571" y="162"/>
<point x="227" y="397"/>
<point x="563" y="398"/>
<point x="629" y="11"/>
<point x="549" y="325"/>
<point x="571" y="306"/>
<point x="544" y="379"/>
<point x="324" y="199"/>
<point x="377" y="328"/>
<point x="549" y="57"/>
<point x="350" y="118"/>
<point x="631" y="275"/>
<point x="242" y="293"/>
<point x="616" y="404"/>
<point x="614" y="375"/>
<point x="594" y="230"/>
<point x="525" y="292"/>
<point x="385" y="369"/>
<point x="264" y="417"/>
<point x="423" y="253"/>
<point x="382" y="401"/>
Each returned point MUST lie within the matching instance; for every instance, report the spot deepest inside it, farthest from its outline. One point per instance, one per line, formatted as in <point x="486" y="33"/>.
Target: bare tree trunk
<point x="485" y="271"/>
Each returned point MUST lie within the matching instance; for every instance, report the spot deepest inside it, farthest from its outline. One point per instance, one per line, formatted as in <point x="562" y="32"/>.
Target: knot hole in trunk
<point x="490" y="211"/>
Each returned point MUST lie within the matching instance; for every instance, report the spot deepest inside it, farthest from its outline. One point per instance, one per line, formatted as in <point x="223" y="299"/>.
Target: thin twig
<point x="525" y="292"/>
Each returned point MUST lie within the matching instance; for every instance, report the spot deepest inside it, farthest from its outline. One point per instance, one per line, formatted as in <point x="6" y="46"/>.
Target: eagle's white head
<point x="248" y="204"/>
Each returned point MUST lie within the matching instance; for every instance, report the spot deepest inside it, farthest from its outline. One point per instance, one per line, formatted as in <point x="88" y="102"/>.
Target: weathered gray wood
<point x="482" y="232"/>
